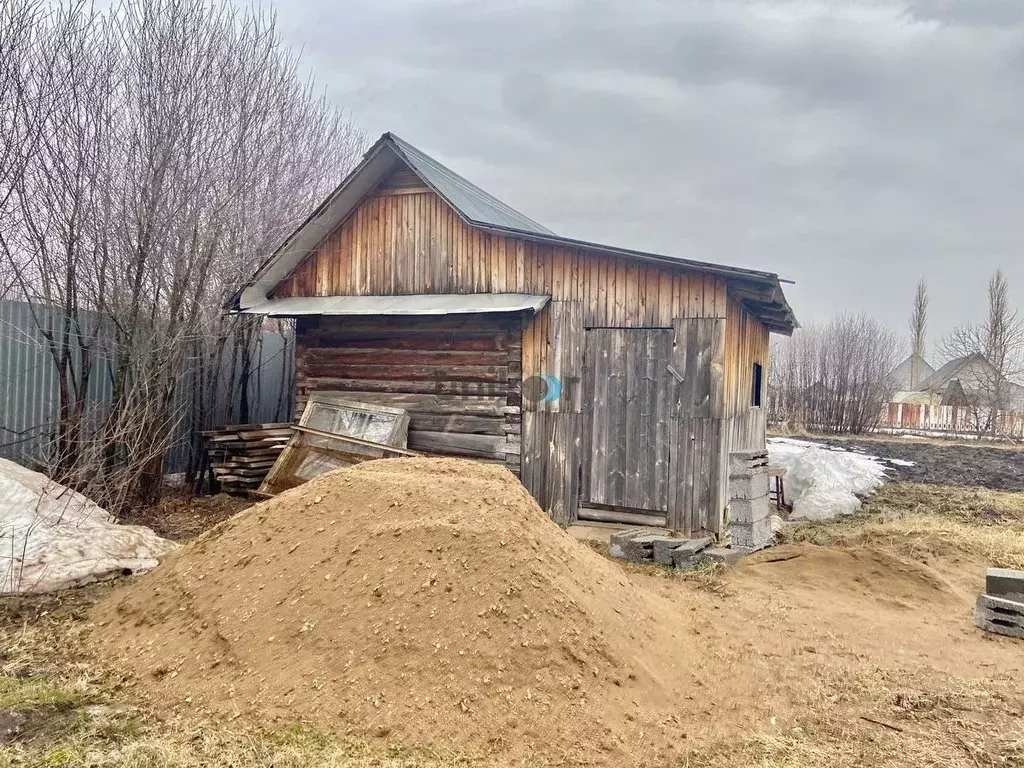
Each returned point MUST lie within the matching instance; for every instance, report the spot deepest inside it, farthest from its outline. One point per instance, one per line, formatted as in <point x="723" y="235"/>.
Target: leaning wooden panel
<point x="312" y="452"/>
<point x="366" y="421"/>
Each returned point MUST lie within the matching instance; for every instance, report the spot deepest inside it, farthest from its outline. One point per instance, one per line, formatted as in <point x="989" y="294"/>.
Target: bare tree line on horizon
<point x="836" y="377"/>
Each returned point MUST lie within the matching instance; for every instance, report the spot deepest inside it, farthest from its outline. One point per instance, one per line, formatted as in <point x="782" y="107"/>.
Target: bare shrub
<point x="834" y="377"/>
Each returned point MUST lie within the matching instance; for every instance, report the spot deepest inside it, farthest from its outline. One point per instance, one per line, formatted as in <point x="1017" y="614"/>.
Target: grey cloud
<point x="850" y="146"/>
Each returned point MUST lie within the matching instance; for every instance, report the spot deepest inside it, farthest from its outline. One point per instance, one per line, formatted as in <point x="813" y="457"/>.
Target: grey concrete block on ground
<point x="637" y="548"/>
<point x="1000" y="616"/>
<point x="756" y="535"/>
<point x="663" y="549"/>
<point x="689" y="549"/>
<point x="748" y="511"/>
<point x="621" y="537"/>
<point x="1003" y="582"/>
<point x="751" y="486"/>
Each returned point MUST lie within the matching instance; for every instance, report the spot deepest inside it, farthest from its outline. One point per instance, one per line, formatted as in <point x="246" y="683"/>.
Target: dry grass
<point x="950" y="723"/>
<point x="923" y="521"/>
<point x="75" y="714"/>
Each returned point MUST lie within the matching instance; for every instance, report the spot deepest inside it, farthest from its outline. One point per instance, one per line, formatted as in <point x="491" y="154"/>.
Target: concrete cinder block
<point x="663" y="548"/>
<point x="689" y="549"/>
<point x="755" y="535"/>
<point x="749" y="511"/>
<point x="1003" y="582"/>
<point x="619" y="538"/>
<point x="745" y="461"/>
<point x="749" y="487"/>
<point x="999" y="616"/>
<point x="637" y="548"/>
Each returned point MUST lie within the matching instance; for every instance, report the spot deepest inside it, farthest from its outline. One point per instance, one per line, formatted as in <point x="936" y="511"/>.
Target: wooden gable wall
<point x="407" y="240"/>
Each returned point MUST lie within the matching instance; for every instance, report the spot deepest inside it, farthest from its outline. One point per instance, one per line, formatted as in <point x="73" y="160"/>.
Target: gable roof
<point x="760" y="292"/>
<point x="902" y="374"/>
<point x="938" y="381"/>
<point x="472" y="203"/>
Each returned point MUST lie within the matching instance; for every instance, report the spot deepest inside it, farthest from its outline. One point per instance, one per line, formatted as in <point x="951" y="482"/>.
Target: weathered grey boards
<point x="628" y="394"/>
<point x="652" y="433"/>
<point x="459" y="377"/>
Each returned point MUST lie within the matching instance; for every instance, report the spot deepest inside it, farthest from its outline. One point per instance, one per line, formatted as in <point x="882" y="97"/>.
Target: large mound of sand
<point x="422" y="601"/>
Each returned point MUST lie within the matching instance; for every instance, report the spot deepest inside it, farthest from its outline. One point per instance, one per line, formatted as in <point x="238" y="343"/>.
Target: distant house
<point x="970" y="379"/>
<point x="964" y="381"/>
<point x="908" y="375"/>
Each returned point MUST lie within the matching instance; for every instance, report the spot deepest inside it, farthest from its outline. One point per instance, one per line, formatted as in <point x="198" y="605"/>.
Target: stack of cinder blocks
<point x="657" y="545"/>
<point x="750" y="514"/>
<point x="1001" y="608"/>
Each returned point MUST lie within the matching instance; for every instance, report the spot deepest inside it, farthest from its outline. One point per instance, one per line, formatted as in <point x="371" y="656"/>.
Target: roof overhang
<point x="416" y="304"/>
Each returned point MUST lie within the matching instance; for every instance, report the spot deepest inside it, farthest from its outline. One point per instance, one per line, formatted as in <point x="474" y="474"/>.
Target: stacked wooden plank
<point x="240" y="456"/>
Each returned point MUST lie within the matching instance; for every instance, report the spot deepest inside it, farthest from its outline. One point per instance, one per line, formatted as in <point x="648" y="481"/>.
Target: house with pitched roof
<point x="613" y="382"/>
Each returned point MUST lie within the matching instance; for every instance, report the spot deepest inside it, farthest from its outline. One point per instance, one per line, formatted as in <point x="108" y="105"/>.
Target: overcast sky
<point x="850" y="146"/>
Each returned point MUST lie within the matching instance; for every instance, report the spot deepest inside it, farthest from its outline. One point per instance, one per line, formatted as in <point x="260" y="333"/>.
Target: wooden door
<point x="629" y="401"/>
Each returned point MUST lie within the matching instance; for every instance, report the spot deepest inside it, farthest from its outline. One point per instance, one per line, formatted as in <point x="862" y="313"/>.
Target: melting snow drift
<point x="52" y="537"/>
<point x="823" y="482"/>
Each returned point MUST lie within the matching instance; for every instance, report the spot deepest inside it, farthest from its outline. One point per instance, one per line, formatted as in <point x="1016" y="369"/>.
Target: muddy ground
<point x="999" y="468"/>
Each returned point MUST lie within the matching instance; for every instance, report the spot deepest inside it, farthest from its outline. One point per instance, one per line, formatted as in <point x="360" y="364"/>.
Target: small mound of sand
<point x="423" y="601"/>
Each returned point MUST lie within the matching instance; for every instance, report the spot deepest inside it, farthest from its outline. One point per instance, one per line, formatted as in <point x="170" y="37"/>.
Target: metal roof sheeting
<point x="417" y="304"/>
<point x="468" y="199"/>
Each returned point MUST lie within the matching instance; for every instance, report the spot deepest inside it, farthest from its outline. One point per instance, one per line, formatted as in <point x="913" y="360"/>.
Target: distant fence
<point x="945" y="419"/>
<point x="29" y="394"/>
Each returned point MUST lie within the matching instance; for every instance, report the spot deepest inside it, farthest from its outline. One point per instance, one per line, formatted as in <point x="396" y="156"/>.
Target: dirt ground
<point x="850" y="645"/>
<point x="988" y="466"/>
<point x="182" y="517"/>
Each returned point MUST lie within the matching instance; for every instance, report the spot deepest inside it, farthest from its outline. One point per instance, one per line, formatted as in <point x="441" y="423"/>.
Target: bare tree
<point x="992" y="357"/>
<point x="832" y="378"/>
<point x="163" y="149"/>
<point x="19" y="115"/>
<point x="918" y="330"/>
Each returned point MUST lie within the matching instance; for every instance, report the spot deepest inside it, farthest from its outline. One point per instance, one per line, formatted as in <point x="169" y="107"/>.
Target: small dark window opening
<point x="756" y="394"/>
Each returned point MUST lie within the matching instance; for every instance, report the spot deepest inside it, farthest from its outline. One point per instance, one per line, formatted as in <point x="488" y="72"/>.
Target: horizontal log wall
<point x="458" y="376"/>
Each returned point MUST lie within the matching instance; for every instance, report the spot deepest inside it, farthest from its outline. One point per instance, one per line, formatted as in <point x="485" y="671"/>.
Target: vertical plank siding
<point x="744" y="426"/>
<point x="413" y="243"/>
<point x="746" y="344"/>
<point x="404" y="239"/>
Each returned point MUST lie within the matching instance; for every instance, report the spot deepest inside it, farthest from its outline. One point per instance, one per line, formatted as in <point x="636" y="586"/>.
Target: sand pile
<point x="420" y="601"/>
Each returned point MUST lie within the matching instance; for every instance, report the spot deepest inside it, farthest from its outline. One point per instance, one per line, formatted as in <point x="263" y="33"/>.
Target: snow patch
<point x="823" y="482"/>
<point x="52" y="537"/>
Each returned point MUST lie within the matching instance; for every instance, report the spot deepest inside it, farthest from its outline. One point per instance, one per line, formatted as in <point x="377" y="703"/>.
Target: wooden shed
<point x="613" y="382"/>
